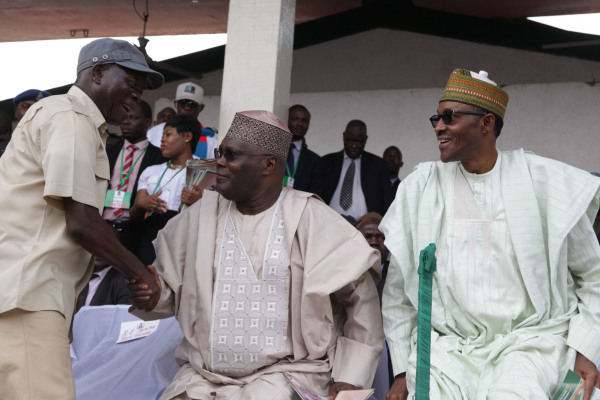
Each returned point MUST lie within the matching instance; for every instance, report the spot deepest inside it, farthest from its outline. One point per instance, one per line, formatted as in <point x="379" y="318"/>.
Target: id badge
<point x="290" y="182"/>
<point x="118" y="199"/>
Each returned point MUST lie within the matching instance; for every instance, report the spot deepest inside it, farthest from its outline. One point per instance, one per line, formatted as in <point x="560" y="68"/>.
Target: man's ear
<point x="271" y="165"/>
<point x="98" y="72"/>
<point x="487" y="122"/>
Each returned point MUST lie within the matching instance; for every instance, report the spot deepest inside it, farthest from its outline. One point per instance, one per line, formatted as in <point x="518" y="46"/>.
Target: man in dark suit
<point x="106" y="286"/>
<point x="304" y="169"/>
<point x="356" y="182"/>
<point x="393" y="158"/>
<point x="128" y="157"/>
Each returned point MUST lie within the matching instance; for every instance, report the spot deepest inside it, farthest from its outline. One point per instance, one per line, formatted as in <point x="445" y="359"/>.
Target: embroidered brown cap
<point x="261" y="129"/>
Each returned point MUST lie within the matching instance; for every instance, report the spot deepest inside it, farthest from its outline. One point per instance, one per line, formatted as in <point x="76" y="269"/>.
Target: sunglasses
<point x="232" y="155"/>
<point x="448" y="115"/>
<point x="188" y="103"/>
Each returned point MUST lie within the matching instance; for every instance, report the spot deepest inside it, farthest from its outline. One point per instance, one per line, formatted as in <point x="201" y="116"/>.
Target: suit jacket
<point x="395" y="188"/>
<point x="374" y="179"/>
<point x="112" y="290"/>
<point x="309" y="172"/>
<point x="152" y="156"/>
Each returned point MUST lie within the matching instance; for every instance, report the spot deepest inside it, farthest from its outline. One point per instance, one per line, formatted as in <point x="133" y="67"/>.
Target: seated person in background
<point x="161" y="188"/>
<point x="106" y="286"/>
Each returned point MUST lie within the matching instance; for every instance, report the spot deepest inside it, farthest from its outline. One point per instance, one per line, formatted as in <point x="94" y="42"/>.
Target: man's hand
<point x="588" y="371"/>
<point x="87" y="228"/>
<point x="337" y="386"/>
<point x="145" y="295"/>
<point x="398" y="391"/>
<point x="189" y="197"/>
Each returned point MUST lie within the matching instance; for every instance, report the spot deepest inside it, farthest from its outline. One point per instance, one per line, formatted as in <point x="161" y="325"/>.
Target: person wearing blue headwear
<point x="26" y="99"/>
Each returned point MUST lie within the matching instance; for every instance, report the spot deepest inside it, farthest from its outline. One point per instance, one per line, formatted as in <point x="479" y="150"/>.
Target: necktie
<point x="290" y="161"/>
<point x="127" y="164"/>
<point x="346" y="194"/>
<point x="125" y="174"/>
<point x="83" y="295"/>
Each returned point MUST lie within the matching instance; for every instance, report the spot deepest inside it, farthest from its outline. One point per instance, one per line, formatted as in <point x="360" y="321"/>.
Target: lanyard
<point x="123" y="180"/>
<point x="287" y="168"/>
<point x="157" y="188"/>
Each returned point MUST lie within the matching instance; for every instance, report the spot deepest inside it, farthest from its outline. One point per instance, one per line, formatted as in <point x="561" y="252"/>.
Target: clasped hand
<point x="145" y="295"/>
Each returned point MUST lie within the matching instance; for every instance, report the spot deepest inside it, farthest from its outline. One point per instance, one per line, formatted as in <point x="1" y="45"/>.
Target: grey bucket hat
<point x="120" y="52"/>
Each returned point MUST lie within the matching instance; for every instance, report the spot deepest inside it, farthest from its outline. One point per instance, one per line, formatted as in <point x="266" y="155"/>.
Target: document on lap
<point x="306" y="394"/>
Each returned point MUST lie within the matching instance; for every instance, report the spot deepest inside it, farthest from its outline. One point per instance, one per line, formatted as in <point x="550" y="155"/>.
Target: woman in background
<point x="161" y="188"/>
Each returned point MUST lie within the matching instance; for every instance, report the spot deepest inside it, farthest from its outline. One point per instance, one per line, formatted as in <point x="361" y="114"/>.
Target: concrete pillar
<point x="258" y="58"/>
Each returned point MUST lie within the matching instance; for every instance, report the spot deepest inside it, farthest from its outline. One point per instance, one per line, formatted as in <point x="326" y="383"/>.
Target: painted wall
<point x="393" y="80"/>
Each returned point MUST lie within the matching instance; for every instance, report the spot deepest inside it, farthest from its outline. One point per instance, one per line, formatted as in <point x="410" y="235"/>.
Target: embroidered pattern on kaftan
<point x="249" y="313"/>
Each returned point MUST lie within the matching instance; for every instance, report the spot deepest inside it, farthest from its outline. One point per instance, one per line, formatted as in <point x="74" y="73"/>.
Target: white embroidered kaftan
<point x="333" y="327"/>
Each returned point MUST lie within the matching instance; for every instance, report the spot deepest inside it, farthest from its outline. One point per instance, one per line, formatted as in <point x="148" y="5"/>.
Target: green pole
<point x="427" y="267"/>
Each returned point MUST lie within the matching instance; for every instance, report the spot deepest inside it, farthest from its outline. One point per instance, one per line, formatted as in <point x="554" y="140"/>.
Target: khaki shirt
<point x="57" y="150"/>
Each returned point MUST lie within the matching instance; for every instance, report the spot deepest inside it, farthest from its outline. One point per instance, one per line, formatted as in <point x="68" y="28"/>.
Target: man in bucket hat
<point x="275" y="281"/>
<point x="516" y="292"/>
<point x="54" y="176"/>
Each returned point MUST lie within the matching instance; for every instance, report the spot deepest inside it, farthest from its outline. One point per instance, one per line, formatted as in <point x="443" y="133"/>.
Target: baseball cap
<point x="189" y="91"/>
<point x="120" y="52"/>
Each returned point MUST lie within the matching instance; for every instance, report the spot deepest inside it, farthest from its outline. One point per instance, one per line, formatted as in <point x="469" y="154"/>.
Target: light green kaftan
<point x="506" y="315"/>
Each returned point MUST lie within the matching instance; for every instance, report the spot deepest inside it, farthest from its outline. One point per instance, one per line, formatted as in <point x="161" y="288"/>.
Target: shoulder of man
<point x="333" y="156"/>
<point x="114" y="142"/>
<point x="547" y="168"/>
<point x="424" y="171"/>
<point x="373" y="158"/>
<point x="308" y="153"/>
<point x="56" y="104"/>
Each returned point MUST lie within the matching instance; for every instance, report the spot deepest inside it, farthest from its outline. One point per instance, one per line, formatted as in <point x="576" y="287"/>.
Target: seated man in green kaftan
<point x="516" y="294"/>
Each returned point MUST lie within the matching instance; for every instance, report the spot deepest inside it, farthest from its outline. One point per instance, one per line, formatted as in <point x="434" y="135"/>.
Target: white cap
<point x="483" y="76"/>
<point x="189" y="91"/>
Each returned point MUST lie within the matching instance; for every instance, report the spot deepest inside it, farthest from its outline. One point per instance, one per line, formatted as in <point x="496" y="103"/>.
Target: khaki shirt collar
<point x="94" y="111"/>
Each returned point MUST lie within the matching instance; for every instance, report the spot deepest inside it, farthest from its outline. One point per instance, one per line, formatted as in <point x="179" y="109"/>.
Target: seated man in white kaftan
<point x="516" y="293"/>
<point x="265" y="280"/>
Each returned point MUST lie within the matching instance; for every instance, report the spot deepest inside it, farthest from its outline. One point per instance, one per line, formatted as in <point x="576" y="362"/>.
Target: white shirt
<point x="359" y="205"/>
<point x="171" y="184"/>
